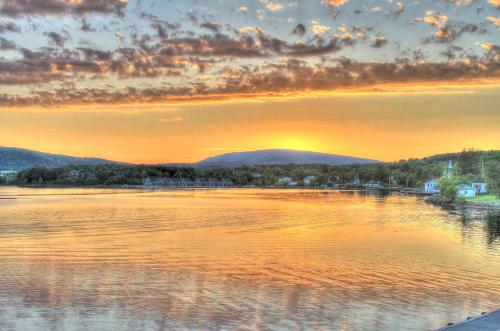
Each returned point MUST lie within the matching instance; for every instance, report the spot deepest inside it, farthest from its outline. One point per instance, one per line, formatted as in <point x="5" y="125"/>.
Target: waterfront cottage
<point x="309" y="180"/>
<point x="373" y="184"/>
<point x="466" y="191"/>
<point x="480" y="186"/>
<point x="226" y="182"/>
<point x="430" y="186"/>
<point x="154" y="181"/>
<point x="355" y="182"/>
<point x="284" y="180"/>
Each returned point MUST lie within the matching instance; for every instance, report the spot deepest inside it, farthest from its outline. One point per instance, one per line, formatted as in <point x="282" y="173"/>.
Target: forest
<point x="405" y="173"/>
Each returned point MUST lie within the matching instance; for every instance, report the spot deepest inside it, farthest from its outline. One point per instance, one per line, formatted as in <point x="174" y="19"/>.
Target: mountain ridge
<point x="280" y="156"/>
<point x="15" y="158"/>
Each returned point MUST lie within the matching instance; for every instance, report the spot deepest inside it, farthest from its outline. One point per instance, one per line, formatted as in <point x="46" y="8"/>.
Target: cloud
<point x="6" y="44"/>
<point x="212" y="26"/>
<point x="300" y="29"/>
<point x="9" y="27"/>
<point x="379" y="42"/>
<point x="272" y="5"/>
<point x="400" y="8"/>
<point x="291" y="76"/>
<point x="460" y="2"/>
<point x="493" y="20"/>
<point x="57" y="38"/>
<point x="48" y="7"/>
<point x="491" y="48"/>
<point x="495" y="3"/>
<point x="334" y="3"/>
<point x="448" y="31"/>
<point x="171" y="119"/>
<point x="319" y="29"/>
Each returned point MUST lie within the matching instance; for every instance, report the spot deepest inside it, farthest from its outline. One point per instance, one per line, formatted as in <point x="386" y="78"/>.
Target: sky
<point x="153" y="81"/>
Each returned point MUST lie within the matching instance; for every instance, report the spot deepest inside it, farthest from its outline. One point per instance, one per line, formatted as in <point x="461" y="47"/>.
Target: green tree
<point x="448" y="186"/>
<point x="493" y="177"/>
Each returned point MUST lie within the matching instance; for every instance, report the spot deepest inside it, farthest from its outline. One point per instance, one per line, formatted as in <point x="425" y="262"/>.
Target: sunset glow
<point x="147" y="82"/>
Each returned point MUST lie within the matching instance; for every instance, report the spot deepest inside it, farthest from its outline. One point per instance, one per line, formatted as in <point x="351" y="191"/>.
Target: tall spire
<point x="449" y="170"/>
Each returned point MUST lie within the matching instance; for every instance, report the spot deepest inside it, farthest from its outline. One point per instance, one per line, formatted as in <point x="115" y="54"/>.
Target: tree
<point x="468" y="162"/>
<point x="493" y="177"/>
<point x="448" y="186"/>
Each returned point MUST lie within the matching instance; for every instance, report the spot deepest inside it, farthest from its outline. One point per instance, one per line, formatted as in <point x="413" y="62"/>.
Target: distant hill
<point x="18" y="158"/>
<point x="279" y="156"/>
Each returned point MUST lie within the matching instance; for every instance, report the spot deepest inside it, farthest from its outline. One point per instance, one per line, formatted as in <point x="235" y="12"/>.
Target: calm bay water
<point x="90" y="259"/>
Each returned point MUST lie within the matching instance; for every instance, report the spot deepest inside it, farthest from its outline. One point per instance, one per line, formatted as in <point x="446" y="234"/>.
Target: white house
<point x="309" y="180"/>
<point x="284" y="180"/>
<point x="480" y="186"/>
<point x="466" y="191"/>
<point x="373" y="184"/>
<point x="430" y="186"/>
<point x="355" y="182"/>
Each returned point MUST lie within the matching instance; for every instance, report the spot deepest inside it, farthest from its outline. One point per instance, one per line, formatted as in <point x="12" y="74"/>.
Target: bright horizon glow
<point x="386" y="127"/>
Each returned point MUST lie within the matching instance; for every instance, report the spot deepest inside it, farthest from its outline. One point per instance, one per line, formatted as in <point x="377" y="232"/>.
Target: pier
<point x="485" y="322"/>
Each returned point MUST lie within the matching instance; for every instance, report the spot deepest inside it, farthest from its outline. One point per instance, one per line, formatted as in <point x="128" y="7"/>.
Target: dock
<point x="485" y="322"/>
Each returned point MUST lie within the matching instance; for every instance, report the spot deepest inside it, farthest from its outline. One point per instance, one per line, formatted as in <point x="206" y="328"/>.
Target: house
<point x="284" y="180"/>
<point x="200" y="182"/>
<point x="372" y="184"/>
<point x="466" y="191"/>
<point x="74" y="173"/>
<point x="430" y="186"/>
<point x="480" y="186"/>
<point x="309" y="180"/>
<point x="226" y="182"/>
<point x="186" y="182"/>
<point x="355" y="182"/>
<point x="7" y="172"/>
<point x="154" y="181"/>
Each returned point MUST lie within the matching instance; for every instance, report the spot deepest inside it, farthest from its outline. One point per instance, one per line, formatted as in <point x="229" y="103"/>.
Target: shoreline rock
<point x="486" y="206"/>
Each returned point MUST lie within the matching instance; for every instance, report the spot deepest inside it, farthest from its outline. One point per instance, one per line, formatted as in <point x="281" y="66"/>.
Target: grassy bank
<point x="490" y="198"/>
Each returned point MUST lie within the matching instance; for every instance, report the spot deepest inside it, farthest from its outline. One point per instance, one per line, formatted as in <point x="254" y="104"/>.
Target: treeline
<point x="406" y="173"/>
<point x="105" y="174"/>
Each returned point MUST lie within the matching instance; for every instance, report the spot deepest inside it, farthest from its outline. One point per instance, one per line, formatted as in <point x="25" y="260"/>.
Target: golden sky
<point x="180" y="80"/>
<point x="391" y="125"/>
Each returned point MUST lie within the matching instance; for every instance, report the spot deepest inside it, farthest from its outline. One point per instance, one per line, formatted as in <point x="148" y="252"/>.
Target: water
<point x="91" y="259"/>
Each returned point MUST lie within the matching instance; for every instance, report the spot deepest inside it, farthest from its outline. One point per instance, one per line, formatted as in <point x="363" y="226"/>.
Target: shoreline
<point x="431" y="199"/>
<point x="487" y="206"/>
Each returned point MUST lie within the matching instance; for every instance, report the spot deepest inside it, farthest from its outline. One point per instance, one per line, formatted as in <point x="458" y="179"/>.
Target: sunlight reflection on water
<point x="95" y="259"/>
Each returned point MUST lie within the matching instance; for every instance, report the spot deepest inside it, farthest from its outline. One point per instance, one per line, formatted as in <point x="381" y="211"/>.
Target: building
<point x="372" y="184"/>
<point x="449" y="170"/>
<point x="430" y="186"/>
<point x="284" y="180"/>
<point x="480" y="185"/>
<point x="154" y="181"/>
<point x="466" y="191"/>
<point x="7" y="172"/>
<point x="355" y="182"/>
<point x="226" y="182"/>
<point x="309" y="180"/>
<point x="187" y="182"/>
